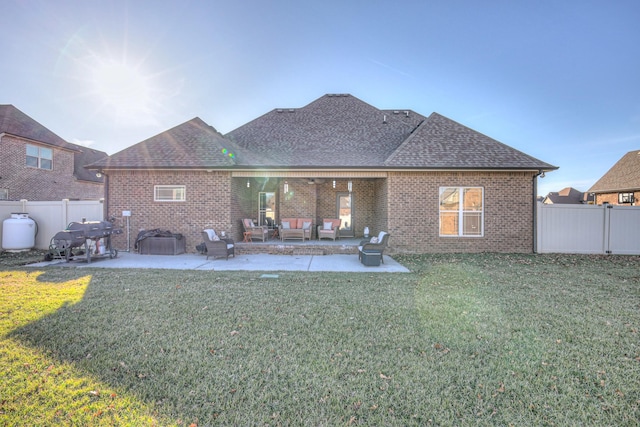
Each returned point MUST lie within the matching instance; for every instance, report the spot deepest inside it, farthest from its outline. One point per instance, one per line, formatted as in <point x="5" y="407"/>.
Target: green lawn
<point x="462" y="340"/>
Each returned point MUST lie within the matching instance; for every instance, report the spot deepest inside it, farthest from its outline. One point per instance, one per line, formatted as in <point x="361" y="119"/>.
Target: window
<point x="39" y="157"/>
<point x="4" y="194"/>
<point x="461" y="211"/>
<point x="170" y="193"/>
<point x="625" y="198"/>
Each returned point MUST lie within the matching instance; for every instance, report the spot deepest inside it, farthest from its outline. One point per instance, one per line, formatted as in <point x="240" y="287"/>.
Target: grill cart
<point x="89" y="234"/>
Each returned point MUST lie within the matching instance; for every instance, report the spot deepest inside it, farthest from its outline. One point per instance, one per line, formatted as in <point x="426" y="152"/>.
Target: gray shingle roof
<point x="15" y="122"/>
<point x="440" y="142"/>
<point x="333" y="132"/>
<point x="193" y="144"/>
<point x="623" y="176"/>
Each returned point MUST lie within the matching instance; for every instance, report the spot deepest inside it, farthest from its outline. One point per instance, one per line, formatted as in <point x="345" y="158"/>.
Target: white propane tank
<point x="18" y="232"/>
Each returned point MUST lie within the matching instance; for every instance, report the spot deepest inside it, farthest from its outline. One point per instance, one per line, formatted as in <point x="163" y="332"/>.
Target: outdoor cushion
<point x="212" y="233"/>
<point x="327" y="226"/>
<point x="306" y="225"/>
<point x="286" y="225"/>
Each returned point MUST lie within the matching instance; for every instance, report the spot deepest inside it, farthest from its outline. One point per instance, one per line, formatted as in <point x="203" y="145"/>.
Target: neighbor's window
<point x="4" y="194"/>
<point x="39" y="157"/>
<point x="461" y="211"/>
<point x="625" y="198"/>
<point x="170" y="193"/>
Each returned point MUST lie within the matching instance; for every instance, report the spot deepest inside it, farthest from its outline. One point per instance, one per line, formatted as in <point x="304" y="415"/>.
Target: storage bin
<point x="165" y="245"/>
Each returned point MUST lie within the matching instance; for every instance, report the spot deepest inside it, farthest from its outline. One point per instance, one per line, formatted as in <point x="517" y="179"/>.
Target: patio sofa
<point x="295" y="228"/>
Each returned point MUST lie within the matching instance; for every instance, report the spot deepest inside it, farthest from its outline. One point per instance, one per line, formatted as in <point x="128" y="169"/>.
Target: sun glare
<point x="122" y="87"/>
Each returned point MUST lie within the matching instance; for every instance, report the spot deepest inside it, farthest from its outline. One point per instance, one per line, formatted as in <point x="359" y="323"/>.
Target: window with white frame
<point x="170" y="193"/>
<point x="462" y="211"/>
<point x="39" y="157"/>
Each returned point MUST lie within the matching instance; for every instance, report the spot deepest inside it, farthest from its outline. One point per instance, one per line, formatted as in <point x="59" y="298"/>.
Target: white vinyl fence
<point x="588" y="229"/>
<point x="52" y="216"/>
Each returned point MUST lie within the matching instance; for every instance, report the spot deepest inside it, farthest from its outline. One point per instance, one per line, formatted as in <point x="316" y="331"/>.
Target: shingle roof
<point x="15" y="122"/>
<point x="334" y="131"/>
<point x="566" y="196"/>
<point x="192" y="144"/>
<point x="623" y="176"/>
<point x="440" y="142"/>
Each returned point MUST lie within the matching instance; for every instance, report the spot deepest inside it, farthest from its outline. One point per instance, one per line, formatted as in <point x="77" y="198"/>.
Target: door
<point x="346" y="214"/>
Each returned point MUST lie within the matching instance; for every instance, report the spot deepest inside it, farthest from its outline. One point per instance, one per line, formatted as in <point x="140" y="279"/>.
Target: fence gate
<point x="588" y="229"/>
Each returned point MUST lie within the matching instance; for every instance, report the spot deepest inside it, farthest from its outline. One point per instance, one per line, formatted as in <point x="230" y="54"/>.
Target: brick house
<point x="621" y="184"/>
<point x="36" y="164"/>
<point x="433" y="184"/>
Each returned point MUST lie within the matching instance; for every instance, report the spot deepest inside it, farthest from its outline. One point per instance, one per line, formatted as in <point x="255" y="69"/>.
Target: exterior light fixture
<point x="334" y="183"/>
<point x="350" y="186"/>
<point x="248" y="184"/>
<point x="286" y="187"/>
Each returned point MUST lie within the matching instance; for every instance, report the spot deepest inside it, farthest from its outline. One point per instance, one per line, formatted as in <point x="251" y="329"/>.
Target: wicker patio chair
<point x="260" y="232"/>
<point x="218" y="247"/>
<point x="379" y="246"/>
<point x="329" y="229"/>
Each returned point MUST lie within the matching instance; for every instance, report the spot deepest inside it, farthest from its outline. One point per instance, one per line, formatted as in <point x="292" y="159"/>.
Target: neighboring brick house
<point x="621" y="184"/>
<point x="433" y="184"/>
<point x="38" y="165"/>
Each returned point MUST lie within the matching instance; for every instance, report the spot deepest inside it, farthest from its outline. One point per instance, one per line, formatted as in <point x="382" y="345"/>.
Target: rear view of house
<point x="432" y="183"/>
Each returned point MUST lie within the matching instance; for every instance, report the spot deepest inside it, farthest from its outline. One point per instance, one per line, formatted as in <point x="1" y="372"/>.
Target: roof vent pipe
<point x="384" y="118"/>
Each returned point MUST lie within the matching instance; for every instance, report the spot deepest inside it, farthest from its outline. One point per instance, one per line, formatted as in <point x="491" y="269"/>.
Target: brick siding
<point x="406" y="204"/>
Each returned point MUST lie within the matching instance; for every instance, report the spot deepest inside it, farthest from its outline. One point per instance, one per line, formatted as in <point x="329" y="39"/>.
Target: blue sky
<point x="559" y="80"/>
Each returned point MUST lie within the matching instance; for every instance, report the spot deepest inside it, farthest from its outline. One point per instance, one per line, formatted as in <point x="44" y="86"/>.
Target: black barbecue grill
<point x="80" y="234"/>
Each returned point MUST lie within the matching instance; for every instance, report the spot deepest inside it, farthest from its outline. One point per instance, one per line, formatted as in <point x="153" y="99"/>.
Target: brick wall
<point x="413" y="206"/>
<point x="208" y="204"/>
<point x="24" y="182"/>
<point x="406" y="204"/>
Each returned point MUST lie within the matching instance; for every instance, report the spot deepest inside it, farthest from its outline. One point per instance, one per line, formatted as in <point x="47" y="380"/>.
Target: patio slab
<point x="248" y="262"/>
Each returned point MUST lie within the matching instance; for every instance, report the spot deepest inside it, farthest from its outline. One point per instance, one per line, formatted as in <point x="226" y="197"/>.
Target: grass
<point x="462" y="340"/>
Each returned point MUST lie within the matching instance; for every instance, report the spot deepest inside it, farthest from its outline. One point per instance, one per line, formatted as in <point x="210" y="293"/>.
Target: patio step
<point x="279" y="248"/>
<point x="308" y="251"/>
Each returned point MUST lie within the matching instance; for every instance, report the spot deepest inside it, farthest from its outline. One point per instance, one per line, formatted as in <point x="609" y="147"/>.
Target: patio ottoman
<point x="371" y="258"/>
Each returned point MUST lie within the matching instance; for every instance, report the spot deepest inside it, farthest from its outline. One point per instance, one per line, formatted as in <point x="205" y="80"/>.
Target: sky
<point x="558" y="80"/>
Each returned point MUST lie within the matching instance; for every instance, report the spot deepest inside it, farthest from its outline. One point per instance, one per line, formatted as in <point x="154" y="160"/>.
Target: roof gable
<point x="440" y="142"/>
<point x="190" y="144"/>
<point x="623" y="176"/>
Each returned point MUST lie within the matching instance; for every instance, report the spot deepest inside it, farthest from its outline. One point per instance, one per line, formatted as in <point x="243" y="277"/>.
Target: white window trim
<point x="460" y="211"/>
<point x="177" y="190"/>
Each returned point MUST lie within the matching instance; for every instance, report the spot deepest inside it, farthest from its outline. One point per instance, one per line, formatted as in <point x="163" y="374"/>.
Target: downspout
<point x="535" y="209"/>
